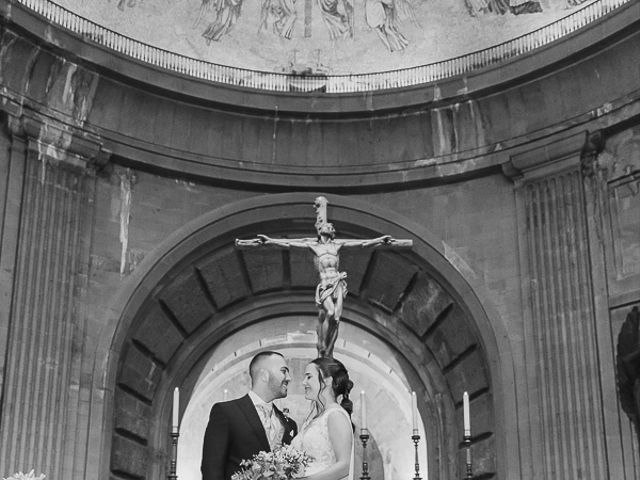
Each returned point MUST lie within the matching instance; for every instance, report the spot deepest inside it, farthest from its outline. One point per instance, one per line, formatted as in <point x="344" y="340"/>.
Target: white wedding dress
<point x="313" y="439"/>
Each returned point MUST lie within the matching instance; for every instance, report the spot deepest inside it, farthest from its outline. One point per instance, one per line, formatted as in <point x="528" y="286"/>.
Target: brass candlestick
<point x="467" y="445"/>
<point x="416" y="439"/>
<point x="364" y="438"/>
<point x="175" y="433"/>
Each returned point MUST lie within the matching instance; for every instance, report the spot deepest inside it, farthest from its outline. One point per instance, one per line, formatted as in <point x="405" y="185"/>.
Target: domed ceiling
<point x="323" y="36"/>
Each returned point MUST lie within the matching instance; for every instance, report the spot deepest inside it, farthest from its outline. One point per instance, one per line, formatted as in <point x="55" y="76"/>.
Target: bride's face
<point x="311" y="382"/>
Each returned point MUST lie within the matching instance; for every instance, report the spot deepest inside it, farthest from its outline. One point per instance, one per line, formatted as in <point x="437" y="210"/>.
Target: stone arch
<point x="196" y="289"/>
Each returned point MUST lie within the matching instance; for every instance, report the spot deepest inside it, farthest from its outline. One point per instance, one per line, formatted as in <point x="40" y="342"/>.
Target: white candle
<point x="363" y="412"/>
<point x="414" y="412"/>
<point x="176" y="409"/>
<point x="465" y="413"/>
<point x="225" y="395"/>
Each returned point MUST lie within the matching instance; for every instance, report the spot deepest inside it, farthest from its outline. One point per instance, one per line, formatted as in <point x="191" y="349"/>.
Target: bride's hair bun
<point x="341" y="384"/>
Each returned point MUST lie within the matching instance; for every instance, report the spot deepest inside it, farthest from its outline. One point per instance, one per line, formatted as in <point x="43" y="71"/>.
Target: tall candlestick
<point x="416" y="439"/>
<point x="465" y="413"/>
<point x="364" y="438"/>
<point x="176" y="409"/>
<point x="174" y="455"/>
<point x="363" y="412"/>
<point x="414" y="412"/>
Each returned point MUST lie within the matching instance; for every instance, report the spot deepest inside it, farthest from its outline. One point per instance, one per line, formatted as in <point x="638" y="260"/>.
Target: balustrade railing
<point x="283" y="82"/>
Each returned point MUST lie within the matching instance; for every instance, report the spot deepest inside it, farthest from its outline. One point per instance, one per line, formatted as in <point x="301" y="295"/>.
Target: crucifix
<point x="332" y="287"/>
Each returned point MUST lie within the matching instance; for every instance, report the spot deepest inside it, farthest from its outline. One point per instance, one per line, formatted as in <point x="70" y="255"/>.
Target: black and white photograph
<point x="319" y="239"/>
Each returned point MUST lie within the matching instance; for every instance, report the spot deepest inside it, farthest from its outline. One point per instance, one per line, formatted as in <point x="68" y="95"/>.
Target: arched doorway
<point x="373" y="368"/>
<point x="201" y="291"/>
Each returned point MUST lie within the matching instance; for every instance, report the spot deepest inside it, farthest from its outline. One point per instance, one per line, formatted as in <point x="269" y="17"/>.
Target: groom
<point x="240" y="428"/>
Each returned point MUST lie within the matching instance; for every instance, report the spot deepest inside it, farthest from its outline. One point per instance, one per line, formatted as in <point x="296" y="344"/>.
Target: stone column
<point x="52" y="198"/>
<point x="564" y="393"/>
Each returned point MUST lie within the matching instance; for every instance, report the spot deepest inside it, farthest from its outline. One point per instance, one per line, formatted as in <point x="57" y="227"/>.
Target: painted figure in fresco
<point x="500" y="7"/>
<point x="280" y="15"/>
<point x="405" y="10"/>
<point x="227" y="14"/>
<point x="518" y="7"/>
<point x="126" y="3"/>
<point x="205" y="7"/>
<point x="337" y="15"/>
<point x="479" y="7"/>
<point x="381" y="16"/>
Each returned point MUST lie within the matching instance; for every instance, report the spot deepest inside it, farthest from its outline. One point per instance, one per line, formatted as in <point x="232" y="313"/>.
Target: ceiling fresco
<point x="323" y="36"/>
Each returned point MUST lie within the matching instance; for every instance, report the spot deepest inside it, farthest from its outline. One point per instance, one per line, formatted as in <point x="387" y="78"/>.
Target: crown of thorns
<point x="327" y="228"/>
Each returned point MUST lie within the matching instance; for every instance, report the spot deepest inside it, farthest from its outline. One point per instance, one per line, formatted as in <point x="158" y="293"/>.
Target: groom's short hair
<point x="254" y="366"/>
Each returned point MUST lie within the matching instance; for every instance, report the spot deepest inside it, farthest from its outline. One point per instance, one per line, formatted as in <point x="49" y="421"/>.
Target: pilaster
<point x="51" y="207"/>
<point x="564" y="397"/>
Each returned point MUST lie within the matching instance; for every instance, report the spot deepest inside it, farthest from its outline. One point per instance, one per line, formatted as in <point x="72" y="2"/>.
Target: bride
<point x="327" y="434"/>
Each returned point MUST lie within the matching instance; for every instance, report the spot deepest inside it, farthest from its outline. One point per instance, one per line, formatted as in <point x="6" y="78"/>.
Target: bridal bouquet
<point x="284" y="463"/>
<point x="23" y="476"/>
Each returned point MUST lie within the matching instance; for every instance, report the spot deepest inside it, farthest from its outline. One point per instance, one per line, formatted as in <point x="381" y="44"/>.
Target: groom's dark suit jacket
<point x="235" y="433"/>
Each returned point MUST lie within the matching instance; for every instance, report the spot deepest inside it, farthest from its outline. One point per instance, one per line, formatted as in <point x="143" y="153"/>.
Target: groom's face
<point x="279" y="377"/>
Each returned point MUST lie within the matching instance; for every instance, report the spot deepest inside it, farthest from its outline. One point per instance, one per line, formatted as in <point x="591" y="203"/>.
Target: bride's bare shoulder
<point x="338" y="416"/>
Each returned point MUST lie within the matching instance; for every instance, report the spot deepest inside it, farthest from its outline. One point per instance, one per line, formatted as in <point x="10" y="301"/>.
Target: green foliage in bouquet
<point x="284" y="463"/>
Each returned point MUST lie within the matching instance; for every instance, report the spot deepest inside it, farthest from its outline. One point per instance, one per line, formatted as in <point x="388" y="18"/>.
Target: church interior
<point x="139" y="139"/>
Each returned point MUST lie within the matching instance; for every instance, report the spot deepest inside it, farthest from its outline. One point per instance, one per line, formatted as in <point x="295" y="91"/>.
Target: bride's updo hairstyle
<point x="341" y="384"/>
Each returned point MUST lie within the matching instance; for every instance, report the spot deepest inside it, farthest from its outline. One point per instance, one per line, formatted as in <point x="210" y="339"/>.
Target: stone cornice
<point x="55" y="141"/>
<point x="546" y="158"/>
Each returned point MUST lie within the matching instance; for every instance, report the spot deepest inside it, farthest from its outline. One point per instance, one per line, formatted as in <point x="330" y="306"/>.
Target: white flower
<point x="283" y="463"/>
<point x="28" y="476"/>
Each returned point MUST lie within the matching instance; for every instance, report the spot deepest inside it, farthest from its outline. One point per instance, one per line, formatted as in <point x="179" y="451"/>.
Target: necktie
<point x="268" y="419"/>
<point x="275" y="439"/>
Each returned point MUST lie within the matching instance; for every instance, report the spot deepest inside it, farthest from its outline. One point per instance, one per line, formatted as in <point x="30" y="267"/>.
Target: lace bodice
<point x="314" y="439"/>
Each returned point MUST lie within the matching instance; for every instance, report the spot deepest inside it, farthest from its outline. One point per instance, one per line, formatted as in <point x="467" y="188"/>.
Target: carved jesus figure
<point x="332" y="285"/>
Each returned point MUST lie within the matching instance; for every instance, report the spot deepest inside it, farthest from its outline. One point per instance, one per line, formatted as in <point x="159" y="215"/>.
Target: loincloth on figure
<point x="329" y="289"/>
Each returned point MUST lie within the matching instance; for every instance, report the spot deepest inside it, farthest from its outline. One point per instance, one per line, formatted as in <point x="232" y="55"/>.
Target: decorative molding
<point x="545" y="158"/>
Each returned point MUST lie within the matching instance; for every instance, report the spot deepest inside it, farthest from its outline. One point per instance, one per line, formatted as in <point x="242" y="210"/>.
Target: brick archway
<point x="200" y="290"/>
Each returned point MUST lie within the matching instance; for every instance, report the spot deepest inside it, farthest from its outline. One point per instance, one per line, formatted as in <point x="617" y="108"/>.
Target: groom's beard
<point x="284" y="388"/>
<point x="279" y="388"/>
